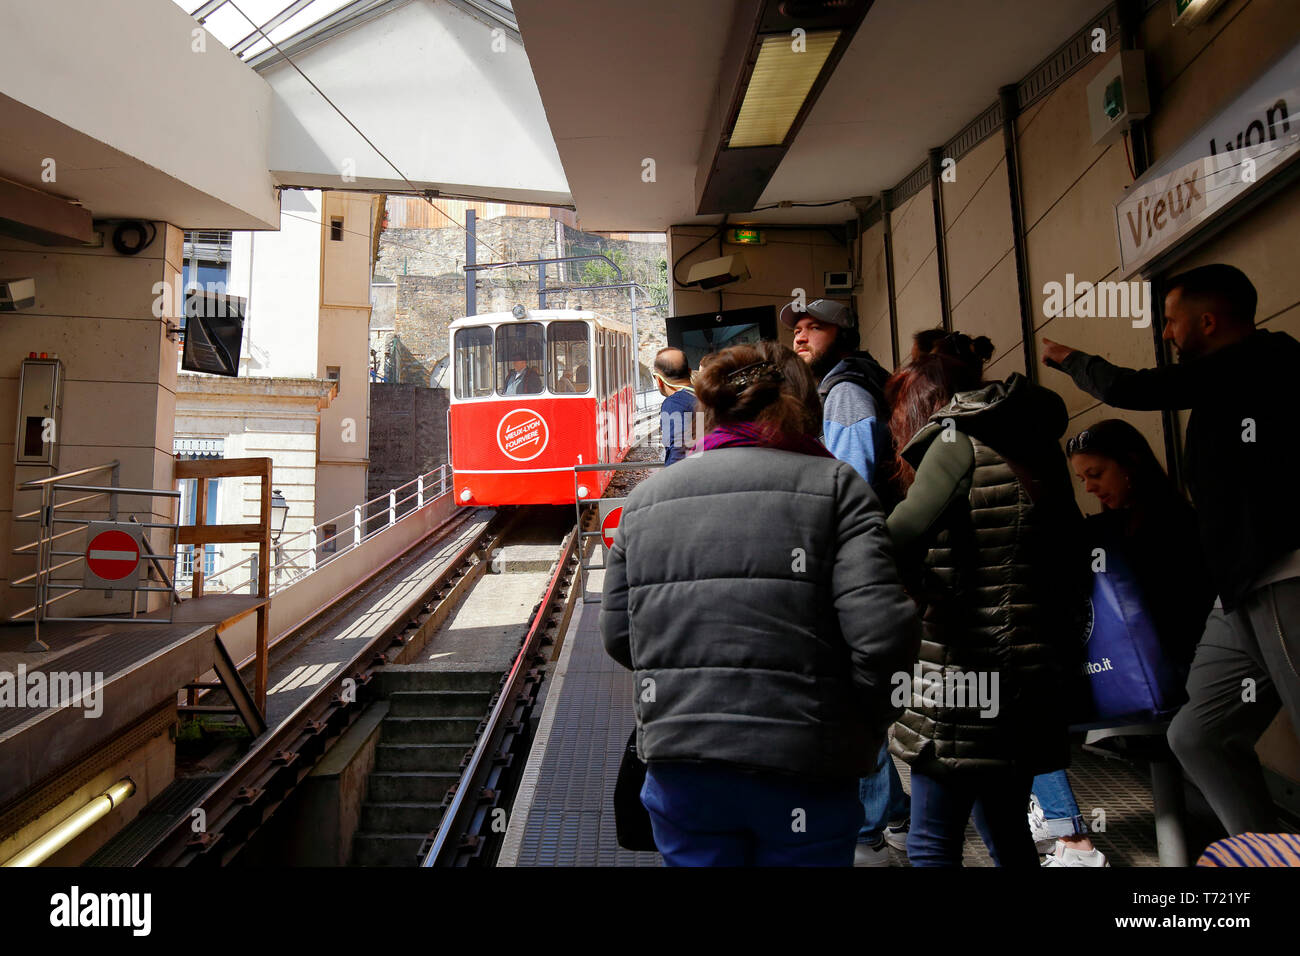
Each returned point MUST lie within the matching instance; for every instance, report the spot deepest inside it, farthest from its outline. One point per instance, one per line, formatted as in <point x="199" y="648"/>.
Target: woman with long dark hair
<point x="988" y="535"/>
<point x="752" y="588"/>
<point x="1146" y="524"/>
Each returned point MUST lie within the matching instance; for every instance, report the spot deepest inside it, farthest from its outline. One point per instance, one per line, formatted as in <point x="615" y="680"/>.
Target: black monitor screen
<point x="698" y="335"/>
<point x="214" y="330"/>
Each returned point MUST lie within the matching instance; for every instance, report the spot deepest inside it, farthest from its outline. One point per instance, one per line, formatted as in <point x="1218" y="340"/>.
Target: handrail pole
<point x="392" y="508"/>
<point x="442" y="479"/>
<point x="52" y="479"/>
<point x="311" y="555"/>
<point x="356" y="526"/>
<point x="419" y="491"/>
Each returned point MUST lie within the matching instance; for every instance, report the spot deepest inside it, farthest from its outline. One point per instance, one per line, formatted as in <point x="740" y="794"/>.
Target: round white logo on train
<point x="522" y="434"/>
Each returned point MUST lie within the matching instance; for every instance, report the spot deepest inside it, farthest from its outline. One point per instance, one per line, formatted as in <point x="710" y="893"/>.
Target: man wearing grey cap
<point x="855" y="429"/>
<point x="855" y="418"/>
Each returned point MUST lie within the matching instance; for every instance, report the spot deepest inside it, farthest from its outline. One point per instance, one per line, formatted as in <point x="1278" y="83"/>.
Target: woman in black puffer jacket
<point x="988" y="536"/>
<point x="752" y="589"/>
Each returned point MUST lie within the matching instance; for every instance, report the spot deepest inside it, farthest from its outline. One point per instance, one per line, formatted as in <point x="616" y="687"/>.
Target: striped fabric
<point x="1254" y="849"/>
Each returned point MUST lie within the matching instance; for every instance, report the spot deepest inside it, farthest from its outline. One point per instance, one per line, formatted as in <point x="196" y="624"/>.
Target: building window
<point x="332" y="374"/>
<point x="336" y="229"/>
<point x="329" y="543"/>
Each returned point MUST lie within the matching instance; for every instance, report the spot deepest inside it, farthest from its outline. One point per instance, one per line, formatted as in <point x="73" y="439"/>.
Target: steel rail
<point x="237" y="804"/>
<point x="468" y="794"/>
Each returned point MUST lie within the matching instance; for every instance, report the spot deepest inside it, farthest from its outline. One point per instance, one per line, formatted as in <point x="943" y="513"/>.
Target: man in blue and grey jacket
<point x="855" y="429"/>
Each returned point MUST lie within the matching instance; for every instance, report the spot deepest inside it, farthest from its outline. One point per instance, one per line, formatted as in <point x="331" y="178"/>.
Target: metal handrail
<point x="427" y="490"/>
<point x="37" y="482"/>
<point x="43" y="578"/>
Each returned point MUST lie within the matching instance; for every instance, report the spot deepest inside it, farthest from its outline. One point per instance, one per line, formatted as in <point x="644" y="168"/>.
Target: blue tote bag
<point x="1129" y="679"/>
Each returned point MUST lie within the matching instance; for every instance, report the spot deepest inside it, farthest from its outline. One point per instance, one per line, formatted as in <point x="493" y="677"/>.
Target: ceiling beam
<point x="38" y="217"/>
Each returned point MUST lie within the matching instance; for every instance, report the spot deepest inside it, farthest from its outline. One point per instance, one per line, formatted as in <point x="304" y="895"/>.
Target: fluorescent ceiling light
<point x="780" y="83"/>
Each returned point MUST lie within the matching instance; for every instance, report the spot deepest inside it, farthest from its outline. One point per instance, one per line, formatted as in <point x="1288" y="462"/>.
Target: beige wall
<point x="94" y="309"/>
<point x="344" y="341"/>
<point x="872" y="295"/>
<point x="791" y="259"/>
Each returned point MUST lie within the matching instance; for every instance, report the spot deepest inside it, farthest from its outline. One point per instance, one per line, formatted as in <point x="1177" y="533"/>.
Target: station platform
<point x="97" y="679"/>
<point x="563" y="813"/>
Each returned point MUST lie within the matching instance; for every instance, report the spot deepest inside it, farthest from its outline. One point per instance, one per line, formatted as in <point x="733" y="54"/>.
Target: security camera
<point x="17" y="294"/>
<point x="716" y="272"/>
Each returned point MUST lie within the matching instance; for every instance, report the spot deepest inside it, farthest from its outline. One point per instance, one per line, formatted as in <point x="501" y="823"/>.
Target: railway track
<point x="228" y="814"/>
<point x="225" y="818"/>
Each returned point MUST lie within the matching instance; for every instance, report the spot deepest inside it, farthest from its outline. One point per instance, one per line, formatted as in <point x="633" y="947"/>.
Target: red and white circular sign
<point x="608" y="526"/>
<point x="112" y="555"/>
<point x="522" y="434"/>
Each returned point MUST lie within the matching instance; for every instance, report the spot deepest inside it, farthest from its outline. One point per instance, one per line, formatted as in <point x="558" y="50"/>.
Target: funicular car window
<point x="519" y="358"/>
<point x="473" y="363"/>
<point x="569" y="358"/>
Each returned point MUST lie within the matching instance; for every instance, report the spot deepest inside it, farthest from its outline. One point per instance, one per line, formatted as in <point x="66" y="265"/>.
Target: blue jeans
<point x="883" y="798"/>
<point x="941" y="810"/>
<point x="707" y="814"/>
<point x="1058" y="803"/>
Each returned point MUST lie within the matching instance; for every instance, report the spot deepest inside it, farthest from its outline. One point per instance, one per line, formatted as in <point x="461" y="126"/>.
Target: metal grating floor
<point x="109" y="655"/>
<point x="570" y="791"/>
<point x="570" y="818"/>
<point x="131" y="843"/>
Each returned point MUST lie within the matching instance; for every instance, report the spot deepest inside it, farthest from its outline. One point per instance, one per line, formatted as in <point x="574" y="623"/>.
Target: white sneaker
<point x="1066" y="855"/>
<point x="896" y="836"/>
<point x="868" y="854"/>
<point x="1038" y="823"/>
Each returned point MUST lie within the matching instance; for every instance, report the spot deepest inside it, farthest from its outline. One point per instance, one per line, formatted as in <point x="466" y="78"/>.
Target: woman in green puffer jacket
<point x="988" y="538"/>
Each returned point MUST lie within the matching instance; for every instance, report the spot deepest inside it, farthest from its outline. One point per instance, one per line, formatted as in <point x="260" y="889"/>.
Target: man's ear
<point x="1209" y="324"/>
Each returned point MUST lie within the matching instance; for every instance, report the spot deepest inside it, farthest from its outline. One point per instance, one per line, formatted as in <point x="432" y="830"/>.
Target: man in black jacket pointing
<point x="1242" y="464"/>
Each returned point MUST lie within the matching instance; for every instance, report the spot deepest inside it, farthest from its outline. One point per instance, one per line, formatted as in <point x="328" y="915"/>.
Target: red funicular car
<point x="534" y="393"/>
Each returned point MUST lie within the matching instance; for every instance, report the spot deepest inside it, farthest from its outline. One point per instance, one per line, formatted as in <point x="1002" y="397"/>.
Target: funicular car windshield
<point x="569" y="357"/>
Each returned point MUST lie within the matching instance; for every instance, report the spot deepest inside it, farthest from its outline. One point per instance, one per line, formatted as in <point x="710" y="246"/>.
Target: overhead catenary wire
<point x="379" y="152"/>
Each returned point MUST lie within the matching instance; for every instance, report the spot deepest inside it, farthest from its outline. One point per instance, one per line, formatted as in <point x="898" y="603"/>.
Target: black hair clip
<point x="751" y="373"/>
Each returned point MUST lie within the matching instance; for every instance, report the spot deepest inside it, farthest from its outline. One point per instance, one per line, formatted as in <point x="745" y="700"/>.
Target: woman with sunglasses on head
<point x="1152" y="529"/>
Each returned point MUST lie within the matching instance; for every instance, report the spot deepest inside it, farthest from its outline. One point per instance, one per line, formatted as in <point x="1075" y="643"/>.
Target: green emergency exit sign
<point x="746" y="237"/>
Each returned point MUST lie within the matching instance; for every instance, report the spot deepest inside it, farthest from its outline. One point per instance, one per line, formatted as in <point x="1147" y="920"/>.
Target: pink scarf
<point x="742" y="434"/>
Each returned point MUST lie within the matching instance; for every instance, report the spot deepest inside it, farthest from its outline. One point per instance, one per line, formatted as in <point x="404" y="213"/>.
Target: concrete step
<point x="419" y="757"/>
<point x="400" y="817"/>
<point x="430" y="730"/>
<point x="387" y="849"/>
<point x="410" y="786"/>
<point x="439" y="703"/>
<point x="421" y="677"/>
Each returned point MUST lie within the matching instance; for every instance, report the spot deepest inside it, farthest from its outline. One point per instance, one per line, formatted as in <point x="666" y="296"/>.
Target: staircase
<point x="432" y="723"/>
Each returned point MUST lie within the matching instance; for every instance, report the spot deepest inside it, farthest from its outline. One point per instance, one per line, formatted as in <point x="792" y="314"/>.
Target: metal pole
<point x="471" y="280"/>
<point x="1010" y="100"/>
<point x="887" y="213"/>
<point x="636" y="347"/>
<point x="940" y="236"/>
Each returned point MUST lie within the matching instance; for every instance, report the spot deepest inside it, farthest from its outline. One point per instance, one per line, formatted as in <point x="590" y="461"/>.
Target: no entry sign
<point x="610" y="511"/>
<point x="112" y="556"/>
